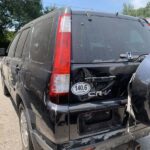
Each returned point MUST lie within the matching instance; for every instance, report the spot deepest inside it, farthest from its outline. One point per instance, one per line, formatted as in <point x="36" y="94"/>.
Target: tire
<point x="5" y="90"/>
<point x="24" y="129"/>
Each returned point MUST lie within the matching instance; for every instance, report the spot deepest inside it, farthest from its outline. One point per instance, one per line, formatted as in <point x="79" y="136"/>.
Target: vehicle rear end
<point x="89" y="80"/>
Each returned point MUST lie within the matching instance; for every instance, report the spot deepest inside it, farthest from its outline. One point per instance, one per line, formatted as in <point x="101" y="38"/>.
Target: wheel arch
<point x="20" y="100"/>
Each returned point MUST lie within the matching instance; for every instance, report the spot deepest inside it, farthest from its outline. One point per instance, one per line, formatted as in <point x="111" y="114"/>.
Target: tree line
<point x="144" y="12"/>
<point x="16" y="13"/>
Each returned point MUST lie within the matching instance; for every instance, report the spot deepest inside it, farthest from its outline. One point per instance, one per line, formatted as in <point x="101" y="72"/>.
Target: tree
<point x="16" y="13"/>
<point x="128" y="9"/>
<point x="6" y="38"/>
<point x="147" y="10"/>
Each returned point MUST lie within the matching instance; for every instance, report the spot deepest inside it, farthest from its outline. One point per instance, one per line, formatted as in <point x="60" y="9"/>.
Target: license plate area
<point x="97" y="121"/>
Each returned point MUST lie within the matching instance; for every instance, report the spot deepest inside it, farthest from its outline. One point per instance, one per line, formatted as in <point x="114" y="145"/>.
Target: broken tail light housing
<point x="60" y="77"/>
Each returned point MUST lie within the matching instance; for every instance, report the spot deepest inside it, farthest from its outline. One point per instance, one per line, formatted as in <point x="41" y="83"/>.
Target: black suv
<point x="68" y="73"/>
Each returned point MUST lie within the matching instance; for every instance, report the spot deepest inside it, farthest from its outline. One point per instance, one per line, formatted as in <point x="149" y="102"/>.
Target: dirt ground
<point x="9" y="125"/>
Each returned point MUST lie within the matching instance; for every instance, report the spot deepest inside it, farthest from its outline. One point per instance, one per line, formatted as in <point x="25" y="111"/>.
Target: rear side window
<point x="21" y="43"/>
<point x="13" y="46"/>
<point x="40" y="44"/>
<point x="26" y="48"/>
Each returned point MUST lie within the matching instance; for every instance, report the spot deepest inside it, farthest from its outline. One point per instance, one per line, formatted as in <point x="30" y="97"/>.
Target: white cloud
<point x="139" y="3"/>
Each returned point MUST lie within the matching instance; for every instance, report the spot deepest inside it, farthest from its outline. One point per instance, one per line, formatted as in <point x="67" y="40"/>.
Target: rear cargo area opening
<point x="98" y="43"/>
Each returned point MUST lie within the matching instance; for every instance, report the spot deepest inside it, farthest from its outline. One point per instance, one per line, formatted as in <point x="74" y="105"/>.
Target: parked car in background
<point x="148" y="20"/>
<point x="68" y="73"/>
<point x="2" y="53"/>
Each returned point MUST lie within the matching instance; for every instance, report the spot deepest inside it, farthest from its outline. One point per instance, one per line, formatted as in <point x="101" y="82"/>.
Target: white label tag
<point x="81" y="88"/>
<point x="65" y="25"/>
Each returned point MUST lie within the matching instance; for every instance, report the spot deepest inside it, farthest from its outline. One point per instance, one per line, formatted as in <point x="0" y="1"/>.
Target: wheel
<point x="5" y="90"/>
<point x="24" y="130"/>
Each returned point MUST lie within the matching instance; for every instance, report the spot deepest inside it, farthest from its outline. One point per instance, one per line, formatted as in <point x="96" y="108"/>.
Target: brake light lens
<point x="60" y="78"/>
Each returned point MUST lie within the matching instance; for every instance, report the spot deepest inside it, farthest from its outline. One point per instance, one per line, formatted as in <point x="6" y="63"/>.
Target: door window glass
<point x="21" y="42"/>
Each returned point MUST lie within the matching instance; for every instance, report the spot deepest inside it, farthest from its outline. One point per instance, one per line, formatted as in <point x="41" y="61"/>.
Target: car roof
<point x="78" y="12"/>
<point x="102" y="14"/>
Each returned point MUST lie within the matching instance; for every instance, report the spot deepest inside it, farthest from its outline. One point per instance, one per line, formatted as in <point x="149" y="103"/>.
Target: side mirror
<point x="3" y="52"/>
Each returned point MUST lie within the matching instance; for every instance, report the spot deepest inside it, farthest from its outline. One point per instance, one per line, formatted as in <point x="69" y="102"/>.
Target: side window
<point x="13" y="46"/>
<point x="40" y="47"/>
<point x="21" y="43"/>
<point x="26" y="48"/>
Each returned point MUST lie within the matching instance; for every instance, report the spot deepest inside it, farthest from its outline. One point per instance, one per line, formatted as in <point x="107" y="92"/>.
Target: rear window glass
<point x="96" y="39"/>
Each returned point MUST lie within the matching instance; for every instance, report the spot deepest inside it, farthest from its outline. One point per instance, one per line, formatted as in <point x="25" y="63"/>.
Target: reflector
<point x="60" y="78"/>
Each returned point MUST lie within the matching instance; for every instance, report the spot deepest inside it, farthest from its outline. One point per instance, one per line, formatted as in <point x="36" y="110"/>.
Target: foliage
<point x="6" y="38"/>
<point x="15" y="13"/>
<point x="128" y="9"/>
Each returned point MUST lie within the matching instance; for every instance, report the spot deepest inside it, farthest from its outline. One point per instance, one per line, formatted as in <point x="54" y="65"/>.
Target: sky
<point x="98" y="5"/>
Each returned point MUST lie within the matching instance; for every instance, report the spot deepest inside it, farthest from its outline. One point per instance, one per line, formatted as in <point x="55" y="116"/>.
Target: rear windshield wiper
<point x="133" y="58"/>
<point x="140" y="57"/>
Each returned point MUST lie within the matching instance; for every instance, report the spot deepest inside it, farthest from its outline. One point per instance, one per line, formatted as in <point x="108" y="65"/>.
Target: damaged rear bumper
<point x="112" y="139"/>
<point x="102" y="140"/>
<point x="106" y="141"/>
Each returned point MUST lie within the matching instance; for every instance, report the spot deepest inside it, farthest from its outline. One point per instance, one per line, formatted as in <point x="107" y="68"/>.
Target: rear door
<point x="17" y="61"/>
<point x="6" y="63"/>
<point x="97" y="44"/>
<point x="99" y="77"/>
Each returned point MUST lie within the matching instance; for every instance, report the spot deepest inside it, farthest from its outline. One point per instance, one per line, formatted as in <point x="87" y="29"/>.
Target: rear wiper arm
<point x="133" y="58"/>
<point x="140" y="57"/>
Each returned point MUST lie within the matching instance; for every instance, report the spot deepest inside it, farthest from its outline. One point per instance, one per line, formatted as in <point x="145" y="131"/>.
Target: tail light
<point x="60" y="78"/>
